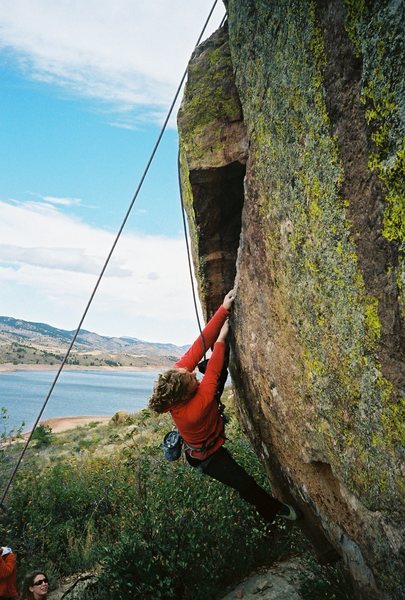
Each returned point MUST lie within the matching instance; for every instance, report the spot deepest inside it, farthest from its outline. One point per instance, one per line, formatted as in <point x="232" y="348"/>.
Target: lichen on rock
<point x="377" y="30"/>
<point x="318" y="333"/>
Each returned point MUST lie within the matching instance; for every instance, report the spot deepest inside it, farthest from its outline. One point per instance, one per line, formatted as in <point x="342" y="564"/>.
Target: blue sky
<point x="84" y="89"/>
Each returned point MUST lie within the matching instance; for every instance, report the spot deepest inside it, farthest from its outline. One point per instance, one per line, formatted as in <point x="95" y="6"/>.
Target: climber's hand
<point x="228" y="300"/>
<point x="224" y="332"/>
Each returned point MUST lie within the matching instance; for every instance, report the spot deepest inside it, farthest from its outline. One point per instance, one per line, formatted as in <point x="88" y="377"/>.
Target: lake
<point x="77" y="393"/>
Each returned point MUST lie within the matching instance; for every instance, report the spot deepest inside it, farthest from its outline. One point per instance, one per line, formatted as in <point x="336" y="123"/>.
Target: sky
<point x="85" y="87"/>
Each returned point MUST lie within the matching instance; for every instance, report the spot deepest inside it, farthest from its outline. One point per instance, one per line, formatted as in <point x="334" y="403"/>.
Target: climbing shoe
<point x="291" y="513"/>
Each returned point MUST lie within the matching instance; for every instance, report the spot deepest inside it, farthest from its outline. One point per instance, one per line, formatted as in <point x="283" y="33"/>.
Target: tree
<point x="42" y="435"/>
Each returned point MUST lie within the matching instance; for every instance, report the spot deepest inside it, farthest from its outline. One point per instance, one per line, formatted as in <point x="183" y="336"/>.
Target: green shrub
<point x="327" y="582"/>
<point x="179" y="536"/>
<point x="7" y="450"/>
<point x="151" y="524"/>
<point x="42" y="435"/>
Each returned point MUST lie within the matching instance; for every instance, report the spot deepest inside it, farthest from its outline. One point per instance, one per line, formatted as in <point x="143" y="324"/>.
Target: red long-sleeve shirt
<point x="198" y="420"/>
<point x="8" y="576"/>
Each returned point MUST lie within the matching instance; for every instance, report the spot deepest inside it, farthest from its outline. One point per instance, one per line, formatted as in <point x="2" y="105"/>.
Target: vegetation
<point x="8" y="437"/>
<point x="102" y="498"/>
<point x="42" y="435"/>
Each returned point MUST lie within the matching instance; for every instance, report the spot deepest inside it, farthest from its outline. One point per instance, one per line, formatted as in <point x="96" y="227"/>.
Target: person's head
<point x="35" y="586"/>
<point x="172" y="387"/>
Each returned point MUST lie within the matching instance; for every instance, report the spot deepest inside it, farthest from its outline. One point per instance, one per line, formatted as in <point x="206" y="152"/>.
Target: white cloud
<point x="65" y="259"/>
<point x="124" y="52"/>
<point x="50" y="264"/>
<point x="62" y="201"/>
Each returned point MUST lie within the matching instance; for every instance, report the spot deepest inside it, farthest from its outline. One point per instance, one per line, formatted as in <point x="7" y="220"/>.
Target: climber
<point x="194" y="409"/>
<point x="8" y="574"/>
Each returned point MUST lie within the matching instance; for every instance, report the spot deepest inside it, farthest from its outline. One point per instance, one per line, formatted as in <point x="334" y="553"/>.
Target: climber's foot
<point x="291" y="513"/>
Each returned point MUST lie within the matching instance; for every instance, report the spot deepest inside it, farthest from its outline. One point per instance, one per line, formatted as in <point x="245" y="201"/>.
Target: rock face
<point x="213" y="152"/>
<point x="291" y="136"/>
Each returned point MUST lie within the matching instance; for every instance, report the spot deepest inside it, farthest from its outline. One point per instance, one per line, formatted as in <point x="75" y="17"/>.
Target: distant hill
<point x="25" y="342"/>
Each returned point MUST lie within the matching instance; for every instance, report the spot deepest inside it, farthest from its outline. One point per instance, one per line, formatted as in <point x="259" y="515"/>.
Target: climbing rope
<point x="141" y="181"/>
<point x="190" y="267"/>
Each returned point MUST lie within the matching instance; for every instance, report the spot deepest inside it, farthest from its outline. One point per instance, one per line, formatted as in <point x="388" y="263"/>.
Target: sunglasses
<point x="40" y="581"/>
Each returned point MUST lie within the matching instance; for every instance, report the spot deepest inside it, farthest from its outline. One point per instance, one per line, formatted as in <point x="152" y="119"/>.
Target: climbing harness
<point x="205" y="446"/>
<point x="141" y="181"/>
<point x="173" y="443"/>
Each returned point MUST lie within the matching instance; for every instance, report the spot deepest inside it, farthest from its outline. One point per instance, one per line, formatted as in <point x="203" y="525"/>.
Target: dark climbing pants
<point x="222" y="467"/>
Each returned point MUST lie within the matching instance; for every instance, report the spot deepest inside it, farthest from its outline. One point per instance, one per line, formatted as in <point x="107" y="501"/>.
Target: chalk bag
<point x="172" y="445"/>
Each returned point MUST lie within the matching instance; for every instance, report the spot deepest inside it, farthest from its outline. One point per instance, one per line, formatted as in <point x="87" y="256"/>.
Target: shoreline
<point x="10" y="367"/>
<point x="62" y="424"/>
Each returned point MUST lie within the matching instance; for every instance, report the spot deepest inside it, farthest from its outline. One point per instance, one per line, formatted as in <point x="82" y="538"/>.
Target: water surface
<point x="77" y="393"/>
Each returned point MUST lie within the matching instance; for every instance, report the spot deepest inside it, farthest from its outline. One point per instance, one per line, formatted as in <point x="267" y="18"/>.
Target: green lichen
<point x="393" y="416"/>
<point x="394" y="177"/>
<point x="380" y="40"/>
<point x="208" y="100"/>
<point x="206" y="95"/>
<point x="373" y="323"/>
<point x="389" y="165"/>
<point x="355" y="10"/>
<point x="310" y="246"/>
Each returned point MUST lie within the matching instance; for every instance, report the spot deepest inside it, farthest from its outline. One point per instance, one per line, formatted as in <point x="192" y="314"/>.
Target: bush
<point x="327" y="582"/>
<point x="179" y="536"/>
<point x="160" y="530"/>
<point x="42" y="435"/>
<point x="7" y="434"/>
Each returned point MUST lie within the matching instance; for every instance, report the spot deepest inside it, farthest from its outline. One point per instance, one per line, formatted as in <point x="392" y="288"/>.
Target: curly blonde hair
<point x="171" y="388"/>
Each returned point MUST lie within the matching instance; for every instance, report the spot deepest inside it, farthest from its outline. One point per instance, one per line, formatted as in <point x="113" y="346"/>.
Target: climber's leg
<point x="222" y="467"/>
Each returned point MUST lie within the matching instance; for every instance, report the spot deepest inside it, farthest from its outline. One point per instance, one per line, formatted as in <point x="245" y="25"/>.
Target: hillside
<point x="125" y="523"/>
<point x="25" y="342"/>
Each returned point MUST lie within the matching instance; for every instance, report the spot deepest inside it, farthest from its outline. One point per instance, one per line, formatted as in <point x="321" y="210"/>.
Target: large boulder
<point x="291" y="135"/>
